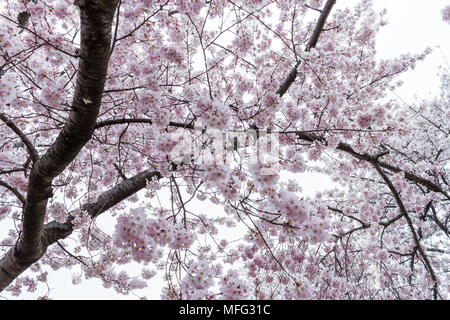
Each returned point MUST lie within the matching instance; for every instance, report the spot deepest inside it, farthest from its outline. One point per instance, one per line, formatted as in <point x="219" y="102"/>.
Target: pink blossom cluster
<point x="189" y="6"/>
<point x="310" y="218"/>
<point x="295" y="208"/>
<point x="212" y="114"/>
<point x="262" y="178"/>
<point x="58" y="211"/>
<point x="142" y="236"/>
<point x="218" y="65"/>
<point x="243" y="41"/>
<point x="173" y="54"/>
<point x="121" y="281"/>
<point x="80" y="219"/>
<point x="231" y="189"/>
<point x="166" y="143"/>
<point x="295" y="163"/>
<point x="198" y="281"/>
<point x="233" y="287"/>
<point x="215" y="174"/>
<point x="271" y="101"/>
<point x="7" y="88"/>
<point x="147" y="100"/>
<point x="446" y="14"/>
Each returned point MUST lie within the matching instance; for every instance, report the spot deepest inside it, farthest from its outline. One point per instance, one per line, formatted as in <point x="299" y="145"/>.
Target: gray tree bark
<point x="96" y="17"/>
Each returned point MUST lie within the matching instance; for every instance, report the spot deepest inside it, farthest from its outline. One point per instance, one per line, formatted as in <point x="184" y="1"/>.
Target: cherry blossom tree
<point x="108" y="106"/>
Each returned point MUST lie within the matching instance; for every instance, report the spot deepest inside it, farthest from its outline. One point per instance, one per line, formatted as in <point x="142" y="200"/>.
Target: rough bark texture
<point x="120" y="192"/>
<point x="96" y="17"/>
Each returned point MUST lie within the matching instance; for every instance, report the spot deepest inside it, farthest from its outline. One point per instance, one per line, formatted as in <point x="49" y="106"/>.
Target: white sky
<point x="413" y="25"/>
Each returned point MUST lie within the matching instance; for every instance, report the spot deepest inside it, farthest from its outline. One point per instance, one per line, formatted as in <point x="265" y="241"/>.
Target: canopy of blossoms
<point x="109" y="106"/>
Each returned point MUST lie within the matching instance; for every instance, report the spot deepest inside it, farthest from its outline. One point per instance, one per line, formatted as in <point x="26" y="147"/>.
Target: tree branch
<point x="55" y="231"/>
<point x="404" y="213"/>
<point x="408" y="175"/>
<point x="120" y="192"/>
<point x="13" y="190"/>
<point x="438" y="222"/>
<point x="30" y="148"/>
<point x="310" y="137"/>
<point x="110" y="122"/>
<point x="370" y="158"/>
<point x="96" y="18"/>
<point x="311" y="44"/>
<point x="320" y="24"/>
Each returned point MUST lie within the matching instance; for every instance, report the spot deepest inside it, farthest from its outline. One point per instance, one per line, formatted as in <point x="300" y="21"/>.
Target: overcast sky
<point x="413" y="26"/>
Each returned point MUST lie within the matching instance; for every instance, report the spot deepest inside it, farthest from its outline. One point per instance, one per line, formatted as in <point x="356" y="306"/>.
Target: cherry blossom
<point x="146" y="139"/>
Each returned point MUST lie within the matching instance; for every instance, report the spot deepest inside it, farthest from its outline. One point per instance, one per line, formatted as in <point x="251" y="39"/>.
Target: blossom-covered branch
<point x="96" y="19"/>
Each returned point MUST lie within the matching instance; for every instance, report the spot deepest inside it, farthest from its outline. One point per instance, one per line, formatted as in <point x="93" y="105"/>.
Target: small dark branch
<point x="13" y="190"/>
<point x="120" y="172"/>
<point x="312" y="8"/>
<point x="408" y="175"/>
<point x="230" y="51"/>
<point x="30" y="148"/>
<point x="381" y="154"/>
<point x="391" y="221"/>
<point x="437" y="250"/>
<point x="351" y="231"/>
<point x="366" y="225"/>
<point x="310" y="137"/>
<point x="180" y="198"/>
<point x="70" y="254"/>
<point x="182" y="125"/>
<point x="106" y="123"/>
<point x="438" y="222"/>
<point x="397" y="198"/>
<point x="425" y="211"/>
<point x="404" y="213"/>
<point x="116" y="29"/>
<point x="124" y="89"/>
<point x="311" y="44"/>
<point x="7" y="171"/>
